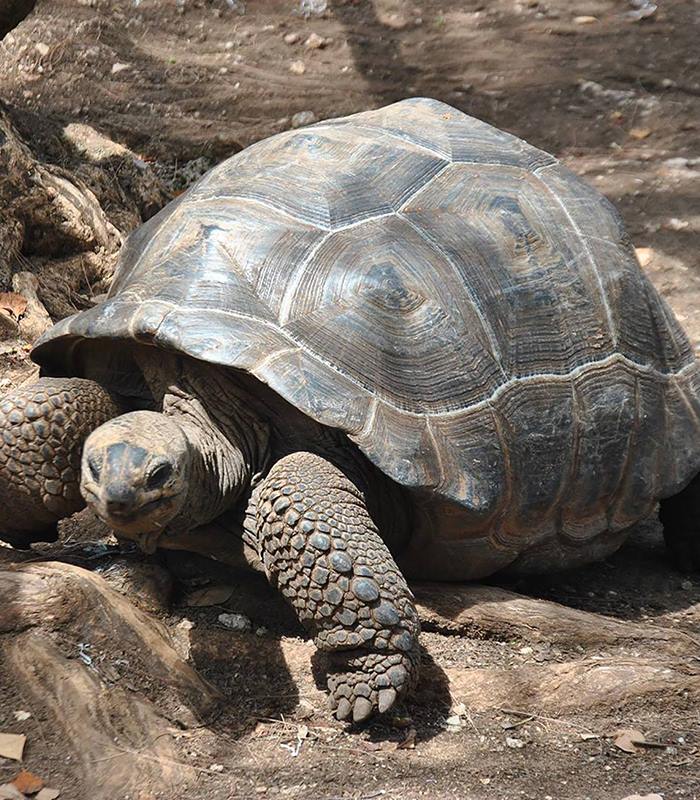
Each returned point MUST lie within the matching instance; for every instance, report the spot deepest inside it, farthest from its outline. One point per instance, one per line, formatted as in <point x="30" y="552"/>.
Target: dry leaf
<point x="409" y="740"/>
<point x="209" y="596"/>
<point x="643" y="797"/>
<point x="12" y="745"/>
<point x="48" y="794"/>
<point x="639" y="133"/>
<point x="10" y="792"/>
<point x="627" y="738"/>
<point x="644" y="255"/>
<point x="13" y="304"/>
<point x="28" y="782"/>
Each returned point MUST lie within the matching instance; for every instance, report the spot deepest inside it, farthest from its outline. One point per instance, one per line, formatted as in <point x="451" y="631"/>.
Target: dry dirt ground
<point x="524" y="684"/>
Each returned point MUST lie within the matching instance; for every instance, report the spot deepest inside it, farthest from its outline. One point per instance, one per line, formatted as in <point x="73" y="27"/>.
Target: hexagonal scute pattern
<point x="411" y="276"/>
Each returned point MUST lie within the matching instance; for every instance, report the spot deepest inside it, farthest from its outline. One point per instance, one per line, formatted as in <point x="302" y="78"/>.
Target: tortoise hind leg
<point x="42" y="430"/>
<point x="320" y="546"/>
<point x="680" y="517"/>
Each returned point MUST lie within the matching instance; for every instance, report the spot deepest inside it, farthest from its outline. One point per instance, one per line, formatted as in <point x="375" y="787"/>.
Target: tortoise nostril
<point x="119" y="499"/>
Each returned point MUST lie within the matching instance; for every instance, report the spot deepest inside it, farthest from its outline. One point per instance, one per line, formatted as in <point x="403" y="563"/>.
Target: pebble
<point x="454" y="723"/>
<point x="235" y="622"/>
<point x="585" y="20"/>
<point x="119" y="67"/>
<point x="216" y="768"/>
<point x="313" y="8"/>
<point x="302" y="118"/>
<point x="42" y="49"/>
<point x="297" y="67"/>
<point x="514" y="743"/>
<point x="291" y="38"/>
<point x="315" y="42"/>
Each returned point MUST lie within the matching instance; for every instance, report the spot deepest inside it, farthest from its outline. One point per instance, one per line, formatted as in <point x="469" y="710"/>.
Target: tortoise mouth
<point x="138" y="518"/>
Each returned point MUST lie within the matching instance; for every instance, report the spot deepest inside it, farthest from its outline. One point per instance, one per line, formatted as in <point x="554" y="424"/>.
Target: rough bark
<point x="55" y="195"/>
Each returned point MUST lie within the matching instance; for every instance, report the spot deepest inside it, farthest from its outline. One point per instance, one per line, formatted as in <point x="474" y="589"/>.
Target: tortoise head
<point x="135" y="473"/>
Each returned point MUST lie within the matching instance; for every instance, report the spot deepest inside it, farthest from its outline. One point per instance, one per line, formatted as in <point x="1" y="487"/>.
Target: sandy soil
<point x="619" y="101"/>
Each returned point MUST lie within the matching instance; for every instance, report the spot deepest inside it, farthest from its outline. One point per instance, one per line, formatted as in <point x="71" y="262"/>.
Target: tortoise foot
<point x="362" y="684"/>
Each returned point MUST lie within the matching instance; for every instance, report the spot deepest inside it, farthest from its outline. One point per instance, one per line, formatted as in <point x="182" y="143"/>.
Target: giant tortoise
<point x="401" y="343"/>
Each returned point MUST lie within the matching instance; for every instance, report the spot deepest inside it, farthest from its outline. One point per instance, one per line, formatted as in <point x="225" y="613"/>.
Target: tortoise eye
<point x="95" y="467"/>
<point x="159" y="475"/>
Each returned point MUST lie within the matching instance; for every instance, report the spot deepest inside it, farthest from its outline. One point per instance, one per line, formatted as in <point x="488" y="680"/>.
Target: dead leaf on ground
<point x="627" y="738"/>
<point x="10" y="792"/>
<point x="13" y="304"/>
<point x="12" y="745"/>
<point x="48" y="794"/>
<point x="27" y="782"/>
<point x="209" y="596"/>
<point x="409" y="740"/>
<point x="639" y="133"/>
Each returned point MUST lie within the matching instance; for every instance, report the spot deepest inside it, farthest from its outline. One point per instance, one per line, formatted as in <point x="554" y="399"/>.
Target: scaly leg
<point x="320" y="547"/>
<point x="42" y="430"/>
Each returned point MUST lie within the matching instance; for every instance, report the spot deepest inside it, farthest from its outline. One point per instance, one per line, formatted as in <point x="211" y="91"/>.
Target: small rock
<point x="119" y="67"/>
<point x="676" y="224"/>
<point x="643" y="797"/>
<point x="526" y="651"/>
<point x="454" y="723"/>
<point x="643" y="9"/>
<point x="585" y="20"/>
<point x="42" y="49"/>
<point x="297" y="67"/>
<point x="315" y="42"/>
<point x="313" y="8"/>
<point x="235" y="622"/>
<point x="644" y="256"/>
<point x="216" y="768"/>
<point x="514" y="743"/>
<point x="229" y="45"/>
<point x="302" y="118"/>
<point x="291" y="38"/>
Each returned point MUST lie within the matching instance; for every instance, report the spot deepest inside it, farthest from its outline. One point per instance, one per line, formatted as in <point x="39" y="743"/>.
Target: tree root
<point x="491" y="612"/>
<point x="105" y="673"/>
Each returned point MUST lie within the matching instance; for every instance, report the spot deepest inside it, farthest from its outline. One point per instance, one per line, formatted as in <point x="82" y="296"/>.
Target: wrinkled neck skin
<point x="229" y="444"/>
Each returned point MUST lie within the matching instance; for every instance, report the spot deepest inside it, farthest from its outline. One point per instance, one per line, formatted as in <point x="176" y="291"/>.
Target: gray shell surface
<point x="464" y="307"/>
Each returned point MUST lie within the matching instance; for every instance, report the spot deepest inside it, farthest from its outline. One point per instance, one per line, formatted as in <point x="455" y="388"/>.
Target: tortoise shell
<point x="465" y="308"/>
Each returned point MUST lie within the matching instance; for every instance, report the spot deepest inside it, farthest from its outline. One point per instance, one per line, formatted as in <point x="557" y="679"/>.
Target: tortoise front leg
<point x="321" y="548"/>
<point x="42" y="430"/>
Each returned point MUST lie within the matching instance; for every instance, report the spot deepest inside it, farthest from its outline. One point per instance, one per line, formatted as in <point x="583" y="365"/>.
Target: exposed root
<point x="105" y="673"/>
<point x="491" y="612"/>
